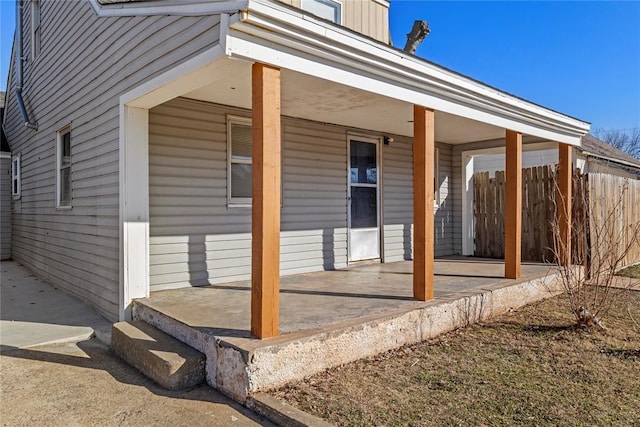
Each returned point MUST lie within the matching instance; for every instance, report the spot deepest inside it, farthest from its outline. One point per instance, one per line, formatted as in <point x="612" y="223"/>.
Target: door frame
<point x="377" y="141"/>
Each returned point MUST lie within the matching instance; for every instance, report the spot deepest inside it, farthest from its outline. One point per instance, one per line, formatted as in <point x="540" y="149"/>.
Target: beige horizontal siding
<point x="368" y="17"/>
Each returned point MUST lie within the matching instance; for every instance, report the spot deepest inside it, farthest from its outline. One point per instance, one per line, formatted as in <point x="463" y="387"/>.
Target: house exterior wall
<point x="5" y="205"/>
<point x="84" y="65"/>
<point x="369" y="17"/>
<point x="196" y="239"/>
<point x="398" y="201"/>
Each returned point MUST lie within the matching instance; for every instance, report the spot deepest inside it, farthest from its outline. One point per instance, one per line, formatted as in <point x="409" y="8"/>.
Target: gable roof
<point x="592" y="146"/>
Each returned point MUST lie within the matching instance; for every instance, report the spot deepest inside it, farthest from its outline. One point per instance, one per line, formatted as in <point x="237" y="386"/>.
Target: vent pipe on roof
<point x="417" y="35"/>
<point x="18" y="59"/>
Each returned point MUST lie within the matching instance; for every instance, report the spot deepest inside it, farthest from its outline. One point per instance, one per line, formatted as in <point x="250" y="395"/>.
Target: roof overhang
<point x="338" y="76"/>
<point x="272" y="33"/>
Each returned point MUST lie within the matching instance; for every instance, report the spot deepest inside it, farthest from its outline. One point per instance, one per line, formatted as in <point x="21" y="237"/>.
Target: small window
<point x="64" y="168"/>
<point x="15" y="176"/>
<point x="35" y="28"/>
<point x="327" y="9"/>
<point x="239" y="156"/>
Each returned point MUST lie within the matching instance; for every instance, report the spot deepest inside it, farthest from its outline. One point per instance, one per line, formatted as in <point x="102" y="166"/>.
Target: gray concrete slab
<point x="331" y="318"/>
<point x="320" y="299"/>
<point x="85" y="384"/>
<point x="33" y="313"/>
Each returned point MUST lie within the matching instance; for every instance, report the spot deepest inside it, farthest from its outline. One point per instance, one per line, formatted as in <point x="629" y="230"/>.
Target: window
<point x="327" y="9"/>
<point x="63" y="173"/>
<point x="35" y="28"/>
<point x="15" y="176"/>
<point x="239" y="159"/>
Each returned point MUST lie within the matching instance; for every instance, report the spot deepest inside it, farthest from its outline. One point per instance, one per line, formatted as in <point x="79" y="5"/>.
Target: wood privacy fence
<point x="614" y="215"/>
<point x="537" y="212"/>
<point x="597" y="198"/>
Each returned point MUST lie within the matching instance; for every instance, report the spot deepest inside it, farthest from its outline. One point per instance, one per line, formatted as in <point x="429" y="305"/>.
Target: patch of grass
<point x="633" y="272"/>
<point x="529" y="367"/>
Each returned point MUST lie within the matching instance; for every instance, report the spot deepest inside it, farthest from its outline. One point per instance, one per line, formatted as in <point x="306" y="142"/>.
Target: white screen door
<point x="364" y="199"/>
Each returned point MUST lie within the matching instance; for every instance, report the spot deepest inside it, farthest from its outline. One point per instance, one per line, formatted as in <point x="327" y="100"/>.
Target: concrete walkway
<point x="53" y="373"/>
<point x="34" y="313"/>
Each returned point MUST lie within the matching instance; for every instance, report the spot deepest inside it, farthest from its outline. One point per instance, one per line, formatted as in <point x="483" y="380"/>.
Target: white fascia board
<point x="326" y="51"/>
<point x="188" y="76"/>
<point x="241" y="45"/>
<point x="168" y="7"/>
<point x="384" y="3"/>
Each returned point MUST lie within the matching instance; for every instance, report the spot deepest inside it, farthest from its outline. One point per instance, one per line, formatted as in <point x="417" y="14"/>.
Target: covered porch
<point x="328" y="76"/>
<point x="334" y="317"/>
<point x="321" y="300"/>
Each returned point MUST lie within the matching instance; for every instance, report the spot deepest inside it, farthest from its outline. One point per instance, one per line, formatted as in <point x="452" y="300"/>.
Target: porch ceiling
<point x="320" y="100"/>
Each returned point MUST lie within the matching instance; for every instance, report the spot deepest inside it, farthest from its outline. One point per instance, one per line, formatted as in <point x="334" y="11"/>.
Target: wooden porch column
<point x="563" y="206"/>
<point x="513" y="205"/>
<point x="423" y="193"/>
<point x="265" y="230"/>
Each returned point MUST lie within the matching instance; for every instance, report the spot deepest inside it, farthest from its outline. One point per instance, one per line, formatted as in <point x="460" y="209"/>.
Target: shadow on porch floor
<point x="317" y="300"/>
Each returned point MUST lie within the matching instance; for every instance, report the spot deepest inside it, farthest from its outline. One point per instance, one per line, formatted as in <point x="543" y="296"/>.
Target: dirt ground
<point x="84" y="384"/>
<point x="529" y="367"/>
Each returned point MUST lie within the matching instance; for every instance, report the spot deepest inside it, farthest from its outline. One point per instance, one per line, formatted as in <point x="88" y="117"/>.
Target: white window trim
<point x="35" y="4"/>
<point x="59" y="135"/>
<point x="436" y="177"/>
<point x="336" y="2"/>
<point x="16" y="175"/>
<point x="239" y="202"/>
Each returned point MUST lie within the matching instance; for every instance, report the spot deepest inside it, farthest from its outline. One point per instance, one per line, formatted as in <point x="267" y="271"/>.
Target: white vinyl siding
<point x="78" y="78"/>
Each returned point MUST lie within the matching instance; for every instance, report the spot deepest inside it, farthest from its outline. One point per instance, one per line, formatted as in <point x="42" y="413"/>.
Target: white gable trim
<point x="167" y="7"/>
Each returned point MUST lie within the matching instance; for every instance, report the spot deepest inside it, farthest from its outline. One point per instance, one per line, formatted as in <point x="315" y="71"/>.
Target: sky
<point x="578" y="58"/>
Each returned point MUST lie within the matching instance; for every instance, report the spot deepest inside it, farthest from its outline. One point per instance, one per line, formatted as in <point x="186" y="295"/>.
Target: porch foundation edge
<point x="271" y="367"/>
<point x="241" y="372"/>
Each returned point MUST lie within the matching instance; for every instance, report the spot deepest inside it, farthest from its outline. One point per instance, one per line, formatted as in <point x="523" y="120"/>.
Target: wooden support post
<point x="265" y="231"/>
<point x="513" y="205"/>
<point x="423" y="193"/>
<point x="563" y="205"/>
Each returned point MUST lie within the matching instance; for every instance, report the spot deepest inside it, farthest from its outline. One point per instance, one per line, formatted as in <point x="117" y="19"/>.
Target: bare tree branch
<point x="624" y="140"/>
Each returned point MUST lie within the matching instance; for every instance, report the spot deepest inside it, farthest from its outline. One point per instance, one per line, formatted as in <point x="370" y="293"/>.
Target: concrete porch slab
<point x="331" y="318"/>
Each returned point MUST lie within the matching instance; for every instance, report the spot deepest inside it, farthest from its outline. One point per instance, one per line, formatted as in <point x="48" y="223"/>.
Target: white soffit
<point x="287" y="38"/>
<point x="311" y="98"/>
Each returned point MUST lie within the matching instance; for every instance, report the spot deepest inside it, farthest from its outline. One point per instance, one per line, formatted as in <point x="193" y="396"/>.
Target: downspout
<point x="25" y="116"/>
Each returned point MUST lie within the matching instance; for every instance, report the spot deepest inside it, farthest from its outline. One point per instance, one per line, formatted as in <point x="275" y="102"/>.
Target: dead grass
<point x="633" y="272"/>
<point x="530" y="367"/>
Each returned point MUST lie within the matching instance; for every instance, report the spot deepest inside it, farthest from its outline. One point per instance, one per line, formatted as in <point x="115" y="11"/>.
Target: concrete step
<point x="165" y="360"/>
<point x="193" y="337"/>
